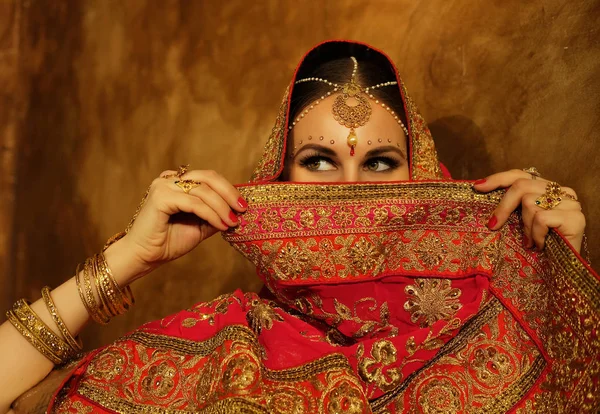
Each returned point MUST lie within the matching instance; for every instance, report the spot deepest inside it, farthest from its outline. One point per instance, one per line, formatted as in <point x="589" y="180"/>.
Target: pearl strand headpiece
<point x="350" y="116"/>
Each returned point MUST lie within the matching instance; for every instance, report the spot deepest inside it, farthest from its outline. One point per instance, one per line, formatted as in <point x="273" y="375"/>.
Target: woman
<point x="401" y="292"/>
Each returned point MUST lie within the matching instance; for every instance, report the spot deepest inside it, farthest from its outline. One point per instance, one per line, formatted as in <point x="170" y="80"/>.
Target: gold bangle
<point x="80" y="287"/>
<point x="121" y="299"/>
<point x="36" y="343"/>
<point x="71" y="341"/>
<point x="100" y="314"/>
<point x="32" y="322"/>
<point x="88" y="297"/>
<point x="104" y="305"/>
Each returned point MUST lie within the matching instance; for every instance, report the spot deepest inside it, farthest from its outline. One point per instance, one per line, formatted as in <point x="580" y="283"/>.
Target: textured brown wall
<point x="113" y="92"/>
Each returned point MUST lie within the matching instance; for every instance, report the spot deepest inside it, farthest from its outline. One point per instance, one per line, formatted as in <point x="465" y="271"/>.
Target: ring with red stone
<point x="551" y="198"/>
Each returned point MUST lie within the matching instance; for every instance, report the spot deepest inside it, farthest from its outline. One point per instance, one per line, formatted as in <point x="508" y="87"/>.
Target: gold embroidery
<point x="288" y="400"/>
<point x="184" y="373"/>
<point x="108" y="364"/>
<point x="261" y="316"/>
<point x="344" y="397"/>
<point x="66" y="406"/>
<point x="366" y="256"/>
<point x="371" y="369"/>
<point x="440" y="396"/>
<point x="312" y="305"/>
<point x="159" y="380"/>
<point x="494" y="392"/>
<point x="492" y="367"/>
<point x="317" y="198"/>
<point x="242" y="372"/>
<point x="430" y="300"/>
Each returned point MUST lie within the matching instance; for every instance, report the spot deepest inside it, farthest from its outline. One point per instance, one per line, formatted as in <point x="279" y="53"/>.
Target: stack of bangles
<point x="98" y="282"/>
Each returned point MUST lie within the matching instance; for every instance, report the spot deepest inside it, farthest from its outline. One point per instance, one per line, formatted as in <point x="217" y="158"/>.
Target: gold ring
<point x="533" y="172"/>
<point x="187" y="185"/>
<point x="182" y="169"/>
<point x="551" y="198"/>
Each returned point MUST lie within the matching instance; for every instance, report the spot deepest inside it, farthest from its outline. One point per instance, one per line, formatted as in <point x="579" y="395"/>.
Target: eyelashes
<point x="313" y="160"/>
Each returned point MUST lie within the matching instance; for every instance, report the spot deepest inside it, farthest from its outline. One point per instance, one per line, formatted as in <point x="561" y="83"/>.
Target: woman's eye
<point x="318" y="164"/>
<point x="379" y="165"/>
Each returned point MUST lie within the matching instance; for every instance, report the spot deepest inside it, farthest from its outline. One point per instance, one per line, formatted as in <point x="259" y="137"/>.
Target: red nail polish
<point x="480" y="181"/>
<point x="233" y="217"/>
<point x="492" y="223"/>
<point x="242" y="203"/>
<point x="225" y="224"/>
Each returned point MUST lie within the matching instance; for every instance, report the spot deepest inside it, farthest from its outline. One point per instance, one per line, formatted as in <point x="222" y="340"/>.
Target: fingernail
<point x="492" y="223"/>
<point x="233" y="217"/>
<point x="225" y="224"/>
<point x="480" y="181"/>
<point x="525" y="240"/>
<point x="242" y="203"/>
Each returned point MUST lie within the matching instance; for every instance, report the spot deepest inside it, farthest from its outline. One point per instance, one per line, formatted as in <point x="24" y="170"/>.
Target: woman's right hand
<point x="171" y="223"/>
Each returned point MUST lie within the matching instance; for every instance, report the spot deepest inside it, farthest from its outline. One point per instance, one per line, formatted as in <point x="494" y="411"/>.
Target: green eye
<point x="381" y="164"/>
<point x="317" y="163"/>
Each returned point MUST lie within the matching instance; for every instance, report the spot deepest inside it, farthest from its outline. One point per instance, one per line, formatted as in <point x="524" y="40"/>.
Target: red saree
<point x="384" y="298"/>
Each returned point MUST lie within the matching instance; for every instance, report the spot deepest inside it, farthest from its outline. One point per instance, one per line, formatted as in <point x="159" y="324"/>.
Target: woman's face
<point x="319" y="151"/>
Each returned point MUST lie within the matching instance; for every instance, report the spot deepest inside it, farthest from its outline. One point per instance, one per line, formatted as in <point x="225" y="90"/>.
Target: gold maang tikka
<point x="350" y="115"/>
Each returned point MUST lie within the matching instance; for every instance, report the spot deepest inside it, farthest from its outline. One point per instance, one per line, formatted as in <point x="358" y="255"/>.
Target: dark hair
<point x="373" y="69"/>
<point x="339" y="71"/>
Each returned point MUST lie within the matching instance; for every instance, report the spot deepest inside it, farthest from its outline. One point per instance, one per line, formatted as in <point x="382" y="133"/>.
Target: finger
<point x="512" y="199"/>
<point x="528" y="211"/>
<point x="215" y="202"/>
<point x="503" y="179"/>
<point x="570" y="223"/>
<point x="571" y="192"/>
<point x="167" y="173"/>
<point x="221" y="186"/>
<point x="187" y="203"/>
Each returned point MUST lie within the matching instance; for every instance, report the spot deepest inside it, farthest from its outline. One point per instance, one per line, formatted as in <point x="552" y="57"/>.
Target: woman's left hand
<point x="523" y="191"/>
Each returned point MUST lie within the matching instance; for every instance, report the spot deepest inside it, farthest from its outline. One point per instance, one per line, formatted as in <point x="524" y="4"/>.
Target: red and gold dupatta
<point x="384" y="298"/>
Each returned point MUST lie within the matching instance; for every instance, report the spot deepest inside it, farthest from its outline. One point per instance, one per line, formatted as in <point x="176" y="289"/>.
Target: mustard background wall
<point x="98" y="97"/>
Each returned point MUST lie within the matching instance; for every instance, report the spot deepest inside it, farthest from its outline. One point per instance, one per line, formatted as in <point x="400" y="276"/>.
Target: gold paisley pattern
<point x="431" y="300"/>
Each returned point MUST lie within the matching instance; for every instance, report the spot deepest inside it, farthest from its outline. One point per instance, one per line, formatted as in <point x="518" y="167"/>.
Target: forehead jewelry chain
<point x="351" y="107"/>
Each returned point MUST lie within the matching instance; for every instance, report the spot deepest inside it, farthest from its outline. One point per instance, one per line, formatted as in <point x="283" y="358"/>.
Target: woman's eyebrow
<point x="316" y="147"/>
<point x="381" y="150"/>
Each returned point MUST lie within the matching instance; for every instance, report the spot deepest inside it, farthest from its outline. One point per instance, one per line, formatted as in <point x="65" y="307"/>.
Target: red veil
<point x="383" y="298"/>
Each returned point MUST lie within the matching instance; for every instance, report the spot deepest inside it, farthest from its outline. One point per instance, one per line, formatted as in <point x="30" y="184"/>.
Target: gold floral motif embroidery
<point x="208" y="373"/>
<point x="366" y="257"/>
<point x="312" y="305"/>
<point x="440" y="396"/>
<point x="288" y="400"/>
<point x="294" y="261"/>
<point x="261" y="316"/>
<point x="376" y="369"/>
<point x="108" y="365"/>
<point x="242" y="372"/>
<point x="158" y="382"/>
<point x="431" y="251"/>
<point x="345" y="397"/>
<point x="430" y="300"/>
<point x="349" y="256"/>
<point x="492" y="367"/>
